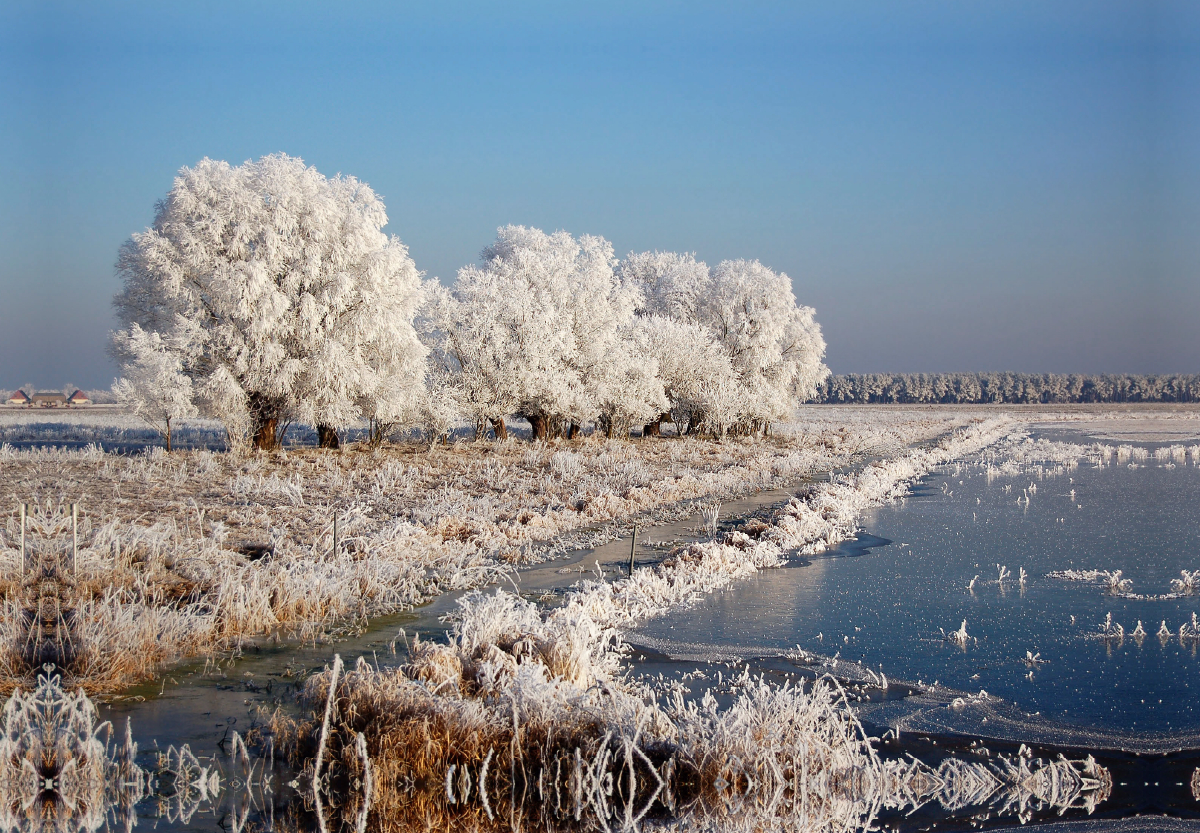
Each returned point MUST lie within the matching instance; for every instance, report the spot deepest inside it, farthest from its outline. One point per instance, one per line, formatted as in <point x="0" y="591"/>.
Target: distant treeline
<point x="1013" y="388"/>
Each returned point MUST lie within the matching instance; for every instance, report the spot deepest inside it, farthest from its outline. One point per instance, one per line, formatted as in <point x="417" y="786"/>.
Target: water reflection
<point x="63" y="769"/>
<point x="776" y="757"/>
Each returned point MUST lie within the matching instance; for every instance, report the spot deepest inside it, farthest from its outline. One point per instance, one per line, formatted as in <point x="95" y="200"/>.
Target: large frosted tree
<point x="542" y="328"/>
<point x="774" y="343"/>
<point x="282" y="295"/>
<point x="772" y="347"/>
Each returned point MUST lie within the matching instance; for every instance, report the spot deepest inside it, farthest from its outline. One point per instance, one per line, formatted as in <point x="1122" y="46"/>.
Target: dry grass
<point x="524" y="750"/>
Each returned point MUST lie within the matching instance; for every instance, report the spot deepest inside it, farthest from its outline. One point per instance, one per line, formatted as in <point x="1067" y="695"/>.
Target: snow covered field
<point x="194" y="552"/>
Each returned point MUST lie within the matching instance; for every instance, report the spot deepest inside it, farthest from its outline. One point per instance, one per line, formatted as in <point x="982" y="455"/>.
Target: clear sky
<point x="953" y="185"/>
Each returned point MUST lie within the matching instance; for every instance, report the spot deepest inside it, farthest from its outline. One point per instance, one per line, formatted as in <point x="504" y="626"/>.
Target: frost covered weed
<point x="196" y="551"/>
<point x="1187" y="584"/>
<point x="779" y="757"/>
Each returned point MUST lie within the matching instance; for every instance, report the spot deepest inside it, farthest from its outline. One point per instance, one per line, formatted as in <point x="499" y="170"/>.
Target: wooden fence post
<point x="75" y="539"/>
<point x="632" y="549"/>
<point x="24" y="510"/>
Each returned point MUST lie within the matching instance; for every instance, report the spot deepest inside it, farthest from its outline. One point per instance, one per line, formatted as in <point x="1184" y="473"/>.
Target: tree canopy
<point x="280" y="293"/>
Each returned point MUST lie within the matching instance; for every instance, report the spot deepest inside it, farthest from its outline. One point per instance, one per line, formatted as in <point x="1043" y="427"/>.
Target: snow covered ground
<point x="193" y="552"/>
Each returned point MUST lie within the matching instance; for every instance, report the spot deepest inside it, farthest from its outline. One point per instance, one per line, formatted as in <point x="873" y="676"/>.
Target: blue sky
<point x="954" y="186"/>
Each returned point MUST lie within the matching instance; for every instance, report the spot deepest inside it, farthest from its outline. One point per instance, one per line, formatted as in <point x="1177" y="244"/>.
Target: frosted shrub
<point x="1187" y="584"/>
<point x="780" y="755"/>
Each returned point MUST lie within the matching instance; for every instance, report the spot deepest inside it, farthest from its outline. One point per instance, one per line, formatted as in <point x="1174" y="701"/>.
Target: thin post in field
<point x="632" y="549"/>
<point x="24" y="511"/>
<point x="75" y="538"/>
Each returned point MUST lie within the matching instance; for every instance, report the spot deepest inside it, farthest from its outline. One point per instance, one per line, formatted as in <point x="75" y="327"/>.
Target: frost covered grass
<point x="194" y="552"/>
<point x="473" y="735"/>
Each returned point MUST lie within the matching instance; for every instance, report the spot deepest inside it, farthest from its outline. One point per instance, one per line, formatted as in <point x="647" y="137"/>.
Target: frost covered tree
<point x="670" y="285"/>
<point x="283" y="294"/>
<point x="471" y="347"/>
<point x="774" y="344"/>
<point x="541" y="328"/>
<point x="690" y="364"/>
<point x="627" y="385"/>
<point x="154" y="386"/>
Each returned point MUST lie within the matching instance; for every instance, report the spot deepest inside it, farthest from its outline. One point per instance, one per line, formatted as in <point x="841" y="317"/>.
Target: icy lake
<point x="886" y="598"/>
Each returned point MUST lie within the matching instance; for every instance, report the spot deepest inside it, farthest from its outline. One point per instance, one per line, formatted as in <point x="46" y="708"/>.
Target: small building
<point x="49" y="400"/>
<point x="78" y="398"/>
<point x="19" y="398"/>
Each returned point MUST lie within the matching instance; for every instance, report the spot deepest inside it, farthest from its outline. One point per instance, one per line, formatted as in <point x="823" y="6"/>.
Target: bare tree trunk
<point x="539" y="424"/>
<point x="572" y="431"/>
<point x="327" y="437"/>
<point x="264" y="412"/>
<point x="499" y="428"/>
<point x="264" y="433"/>
<point x="654" y="429"/>
<point x="168" y="435"/>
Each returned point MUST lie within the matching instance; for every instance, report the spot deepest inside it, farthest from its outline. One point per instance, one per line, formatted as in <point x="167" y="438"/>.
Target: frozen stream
<point x="884" y="599"/>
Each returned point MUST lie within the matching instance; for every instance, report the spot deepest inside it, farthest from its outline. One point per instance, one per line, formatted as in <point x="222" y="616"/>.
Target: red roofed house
<point x="19" y="398"/>
<point x="78" y="398"/>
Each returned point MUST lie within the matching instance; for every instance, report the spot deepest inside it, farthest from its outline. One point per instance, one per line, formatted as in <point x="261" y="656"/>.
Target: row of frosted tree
<point x="267" y="293"/>
<point x="1014" y="388"/>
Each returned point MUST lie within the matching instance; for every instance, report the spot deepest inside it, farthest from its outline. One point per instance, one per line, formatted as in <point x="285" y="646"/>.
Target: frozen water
<point x="893" y="606"/>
